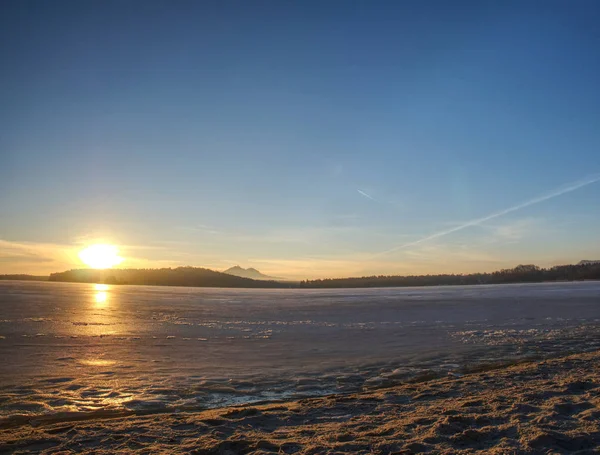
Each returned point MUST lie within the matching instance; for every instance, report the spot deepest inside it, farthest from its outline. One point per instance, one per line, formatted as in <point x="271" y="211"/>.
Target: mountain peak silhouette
<point x="250" y="272"/>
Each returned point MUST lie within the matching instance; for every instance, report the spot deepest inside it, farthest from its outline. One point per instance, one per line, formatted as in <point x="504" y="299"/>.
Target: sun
<point x="100" y="256"/>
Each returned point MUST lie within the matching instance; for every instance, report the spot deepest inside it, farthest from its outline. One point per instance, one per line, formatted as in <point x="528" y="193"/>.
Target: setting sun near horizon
<point x="100" y="256"/>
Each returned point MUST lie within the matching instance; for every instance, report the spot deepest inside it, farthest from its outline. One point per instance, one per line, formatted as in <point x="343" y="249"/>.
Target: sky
<point x="306" y="139"/>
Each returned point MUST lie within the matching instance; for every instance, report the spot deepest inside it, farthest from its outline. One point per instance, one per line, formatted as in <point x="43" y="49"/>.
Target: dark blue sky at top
<point x="149" y="121"/>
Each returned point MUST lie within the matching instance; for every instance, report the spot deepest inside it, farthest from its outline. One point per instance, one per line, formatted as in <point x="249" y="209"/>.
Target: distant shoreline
<point x="201" y="277"/>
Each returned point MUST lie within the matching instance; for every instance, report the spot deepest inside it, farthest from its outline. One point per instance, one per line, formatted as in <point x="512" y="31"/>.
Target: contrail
<point x="554" y="193"/>
<point x="366" y="195"/>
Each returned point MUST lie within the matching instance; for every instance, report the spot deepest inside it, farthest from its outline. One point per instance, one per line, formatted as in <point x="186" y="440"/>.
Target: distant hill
<point x="588" y="262"/>
<point x="180" y="276"/>
<point x="250" y="272"/>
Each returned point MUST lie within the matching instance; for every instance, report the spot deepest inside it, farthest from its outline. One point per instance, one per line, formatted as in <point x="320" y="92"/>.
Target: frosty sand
<point x="550" y="406"/>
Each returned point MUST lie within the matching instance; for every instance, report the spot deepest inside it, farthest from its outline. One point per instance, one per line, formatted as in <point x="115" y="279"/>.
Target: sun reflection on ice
<point x="101" y="296"/>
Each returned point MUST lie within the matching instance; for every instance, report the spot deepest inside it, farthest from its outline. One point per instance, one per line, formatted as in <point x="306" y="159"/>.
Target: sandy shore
<point x="546" y="407"/>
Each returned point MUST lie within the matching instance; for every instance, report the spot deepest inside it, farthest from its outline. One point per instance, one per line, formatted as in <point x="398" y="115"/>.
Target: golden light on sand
<point x="97" y="362"/>
<point x="100" y="256"/>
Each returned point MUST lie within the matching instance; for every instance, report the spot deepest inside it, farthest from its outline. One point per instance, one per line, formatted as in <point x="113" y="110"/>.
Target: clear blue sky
<point x="304" y="138"/>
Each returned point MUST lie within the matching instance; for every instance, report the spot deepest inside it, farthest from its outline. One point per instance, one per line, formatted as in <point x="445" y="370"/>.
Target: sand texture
<point x="546" y="407"/>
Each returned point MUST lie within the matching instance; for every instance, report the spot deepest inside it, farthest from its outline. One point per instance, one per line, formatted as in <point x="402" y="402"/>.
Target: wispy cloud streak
<point x="552" y="194"/>
<point x="366" y="195"/>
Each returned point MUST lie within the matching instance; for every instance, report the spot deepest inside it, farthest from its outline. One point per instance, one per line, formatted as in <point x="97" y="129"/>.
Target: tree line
<point x="23" y="277"/>
<point x="519" y="274"/>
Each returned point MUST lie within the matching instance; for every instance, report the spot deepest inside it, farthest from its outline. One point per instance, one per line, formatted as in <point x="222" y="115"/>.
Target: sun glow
<point x="100" y="256"/>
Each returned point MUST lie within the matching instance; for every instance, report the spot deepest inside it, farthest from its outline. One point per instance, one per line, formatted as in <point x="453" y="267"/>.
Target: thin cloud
<point x="199" y="228"/>
<point x="366" y="195"/>
<point x="552" y="194"/>
<point x="514" y="230"/>
<point x="29" y="257"/>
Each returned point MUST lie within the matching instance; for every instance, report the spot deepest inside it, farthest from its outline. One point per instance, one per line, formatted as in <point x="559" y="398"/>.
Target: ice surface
<point x="79" y="348"/>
